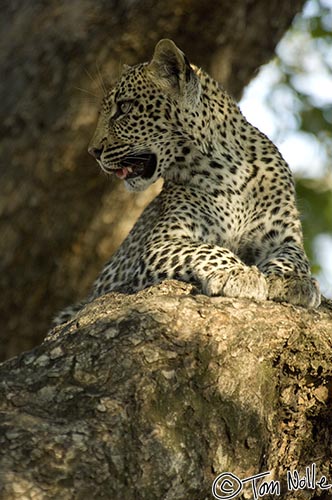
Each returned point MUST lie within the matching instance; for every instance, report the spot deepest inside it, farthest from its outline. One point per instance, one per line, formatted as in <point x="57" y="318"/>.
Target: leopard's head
<point x="142" y="129"/>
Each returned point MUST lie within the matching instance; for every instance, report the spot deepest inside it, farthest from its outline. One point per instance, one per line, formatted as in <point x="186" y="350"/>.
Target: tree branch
<point x="153" y="395"/>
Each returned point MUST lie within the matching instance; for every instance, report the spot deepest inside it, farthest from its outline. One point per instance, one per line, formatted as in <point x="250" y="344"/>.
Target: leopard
<point x="226" y="218"/>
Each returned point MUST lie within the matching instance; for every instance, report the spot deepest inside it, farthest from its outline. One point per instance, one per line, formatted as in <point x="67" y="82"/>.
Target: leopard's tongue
<point x="123" y="172"/>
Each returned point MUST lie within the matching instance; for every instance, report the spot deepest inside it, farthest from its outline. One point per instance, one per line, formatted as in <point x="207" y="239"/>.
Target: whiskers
<point x="98" y="85"/>
<point x="100" y="80"/>
<point x="91" y="95"/>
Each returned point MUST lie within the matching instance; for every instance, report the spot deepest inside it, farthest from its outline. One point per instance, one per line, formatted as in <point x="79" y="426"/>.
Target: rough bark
<point x="58" y="222"/>
<point x="151" y="396"/>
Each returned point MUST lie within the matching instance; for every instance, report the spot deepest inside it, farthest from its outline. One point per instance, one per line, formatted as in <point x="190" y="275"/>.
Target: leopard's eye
<point x="120" y="109"/>
<point x="124" y="107"/>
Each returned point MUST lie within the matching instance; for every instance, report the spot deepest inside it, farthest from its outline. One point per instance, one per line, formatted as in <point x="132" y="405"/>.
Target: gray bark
<point x="58" y="222"/>
<point x="151" y="396"/>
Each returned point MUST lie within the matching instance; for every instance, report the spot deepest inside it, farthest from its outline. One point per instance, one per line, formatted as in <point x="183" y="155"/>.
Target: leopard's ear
<point x="171" y="69"/>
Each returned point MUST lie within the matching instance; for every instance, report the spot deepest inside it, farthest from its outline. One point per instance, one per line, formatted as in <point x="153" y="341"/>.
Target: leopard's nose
<point x="96" y="152"/>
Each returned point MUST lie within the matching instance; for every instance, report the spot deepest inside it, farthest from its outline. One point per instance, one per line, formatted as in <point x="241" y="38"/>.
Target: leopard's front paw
<point x="241" y="282"/>
<point x="295" y="289"/>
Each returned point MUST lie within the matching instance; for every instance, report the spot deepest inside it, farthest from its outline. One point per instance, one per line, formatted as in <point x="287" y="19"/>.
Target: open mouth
<point x="140" y="165"/>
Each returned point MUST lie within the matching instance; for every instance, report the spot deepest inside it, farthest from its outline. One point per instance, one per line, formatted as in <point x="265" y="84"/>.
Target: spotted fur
<point x="226" y="218"/>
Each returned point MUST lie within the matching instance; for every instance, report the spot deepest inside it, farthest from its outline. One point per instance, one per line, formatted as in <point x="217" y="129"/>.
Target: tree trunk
<point x="58" y="222"/>
<point x="152" y="396"/>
